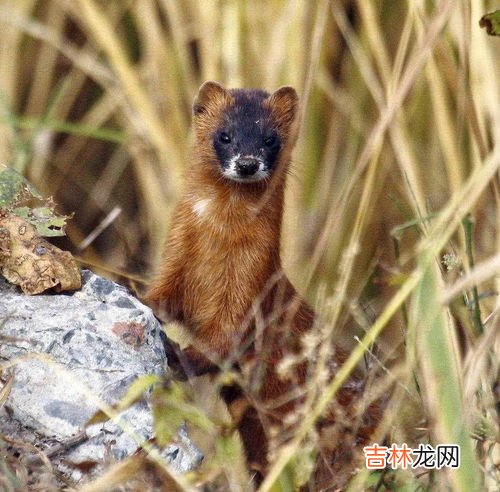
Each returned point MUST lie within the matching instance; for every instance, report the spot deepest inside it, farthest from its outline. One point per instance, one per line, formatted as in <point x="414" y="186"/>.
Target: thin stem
<point x="476" y="310"/>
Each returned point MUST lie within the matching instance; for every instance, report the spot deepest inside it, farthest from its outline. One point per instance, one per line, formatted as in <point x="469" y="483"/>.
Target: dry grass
<point x="400" y="128"/>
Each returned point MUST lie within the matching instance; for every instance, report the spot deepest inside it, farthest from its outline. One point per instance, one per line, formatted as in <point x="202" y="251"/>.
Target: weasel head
<point x="246" y="134"/>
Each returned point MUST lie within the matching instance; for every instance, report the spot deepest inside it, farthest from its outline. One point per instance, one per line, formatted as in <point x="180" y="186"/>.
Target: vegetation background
<point x="392" y="222"/>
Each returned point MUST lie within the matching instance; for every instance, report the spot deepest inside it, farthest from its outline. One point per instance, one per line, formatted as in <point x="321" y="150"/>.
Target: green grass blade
<point x="105" y="134"/>
<point x="441" y="379"/>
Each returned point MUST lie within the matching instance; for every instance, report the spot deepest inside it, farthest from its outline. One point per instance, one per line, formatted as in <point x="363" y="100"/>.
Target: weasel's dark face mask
<point x="246" y="142"/>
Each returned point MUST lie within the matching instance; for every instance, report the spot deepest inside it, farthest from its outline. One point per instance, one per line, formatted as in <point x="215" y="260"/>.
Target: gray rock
<point x="71" y="351"/>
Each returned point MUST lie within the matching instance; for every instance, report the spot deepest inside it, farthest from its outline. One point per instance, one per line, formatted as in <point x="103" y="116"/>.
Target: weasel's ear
<point x="210" y="94"/>
<point x="284" y="104"/>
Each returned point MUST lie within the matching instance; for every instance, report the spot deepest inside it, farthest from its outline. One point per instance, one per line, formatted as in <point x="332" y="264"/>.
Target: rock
<point x="68" y="352"/>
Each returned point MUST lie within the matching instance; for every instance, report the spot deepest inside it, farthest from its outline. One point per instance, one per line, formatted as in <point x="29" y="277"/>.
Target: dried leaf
<point x="491" y="22"/>
<point x="31" y="262"/>
<point x="13" y="184"/>
<point x="18" y="196"/>
<point x="44" y="219"/>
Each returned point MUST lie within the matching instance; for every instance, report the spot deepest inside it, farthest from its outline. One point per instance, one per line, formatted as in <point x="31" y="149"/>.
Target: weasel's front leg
<point x="165" y="294"/>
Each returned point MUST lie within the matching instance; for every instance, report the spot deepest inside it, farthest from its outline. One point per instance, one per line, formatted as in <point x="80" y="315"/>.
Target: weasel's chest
<point x="219" y="265"/>
<point x="227" y="266"/>
<point x="230" y="231"/>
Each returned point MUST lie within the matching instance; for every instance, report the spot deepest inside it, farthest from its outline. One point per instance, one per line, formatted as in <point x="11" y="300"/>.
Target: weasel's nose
<point x="247" y="166"/>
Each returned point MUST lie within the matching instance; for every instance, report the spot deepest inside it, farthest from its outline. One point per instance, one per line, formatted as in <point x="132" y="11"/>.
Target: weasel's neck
<point x="254" y="209"/>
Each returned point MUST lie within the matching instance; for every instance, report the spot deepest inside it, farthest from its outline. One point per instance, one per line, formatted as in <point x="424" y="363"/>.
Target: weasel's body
<point x="221" y="272"/>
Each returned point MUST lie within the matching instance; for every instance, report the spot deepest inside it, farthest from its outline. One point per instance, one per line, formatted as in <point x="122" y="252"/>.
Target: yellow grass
<point x="400" y="124"/>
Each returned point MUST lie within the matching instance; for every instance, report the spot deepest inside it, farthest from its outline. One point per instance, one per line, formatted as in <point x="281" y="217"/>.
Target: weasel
<point x="221" y="273"/>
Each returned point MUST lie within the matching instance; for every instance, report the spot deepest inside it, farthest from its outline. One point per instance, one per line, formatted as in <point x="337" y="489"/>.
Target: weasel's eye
<point x="270" y="141"/>
<point x="224" y="138"/>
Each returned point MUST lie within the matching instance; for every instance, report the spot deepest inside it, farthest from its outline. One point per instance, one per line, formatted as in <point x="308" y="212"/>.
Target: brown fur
<point x="221" y="276"/>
